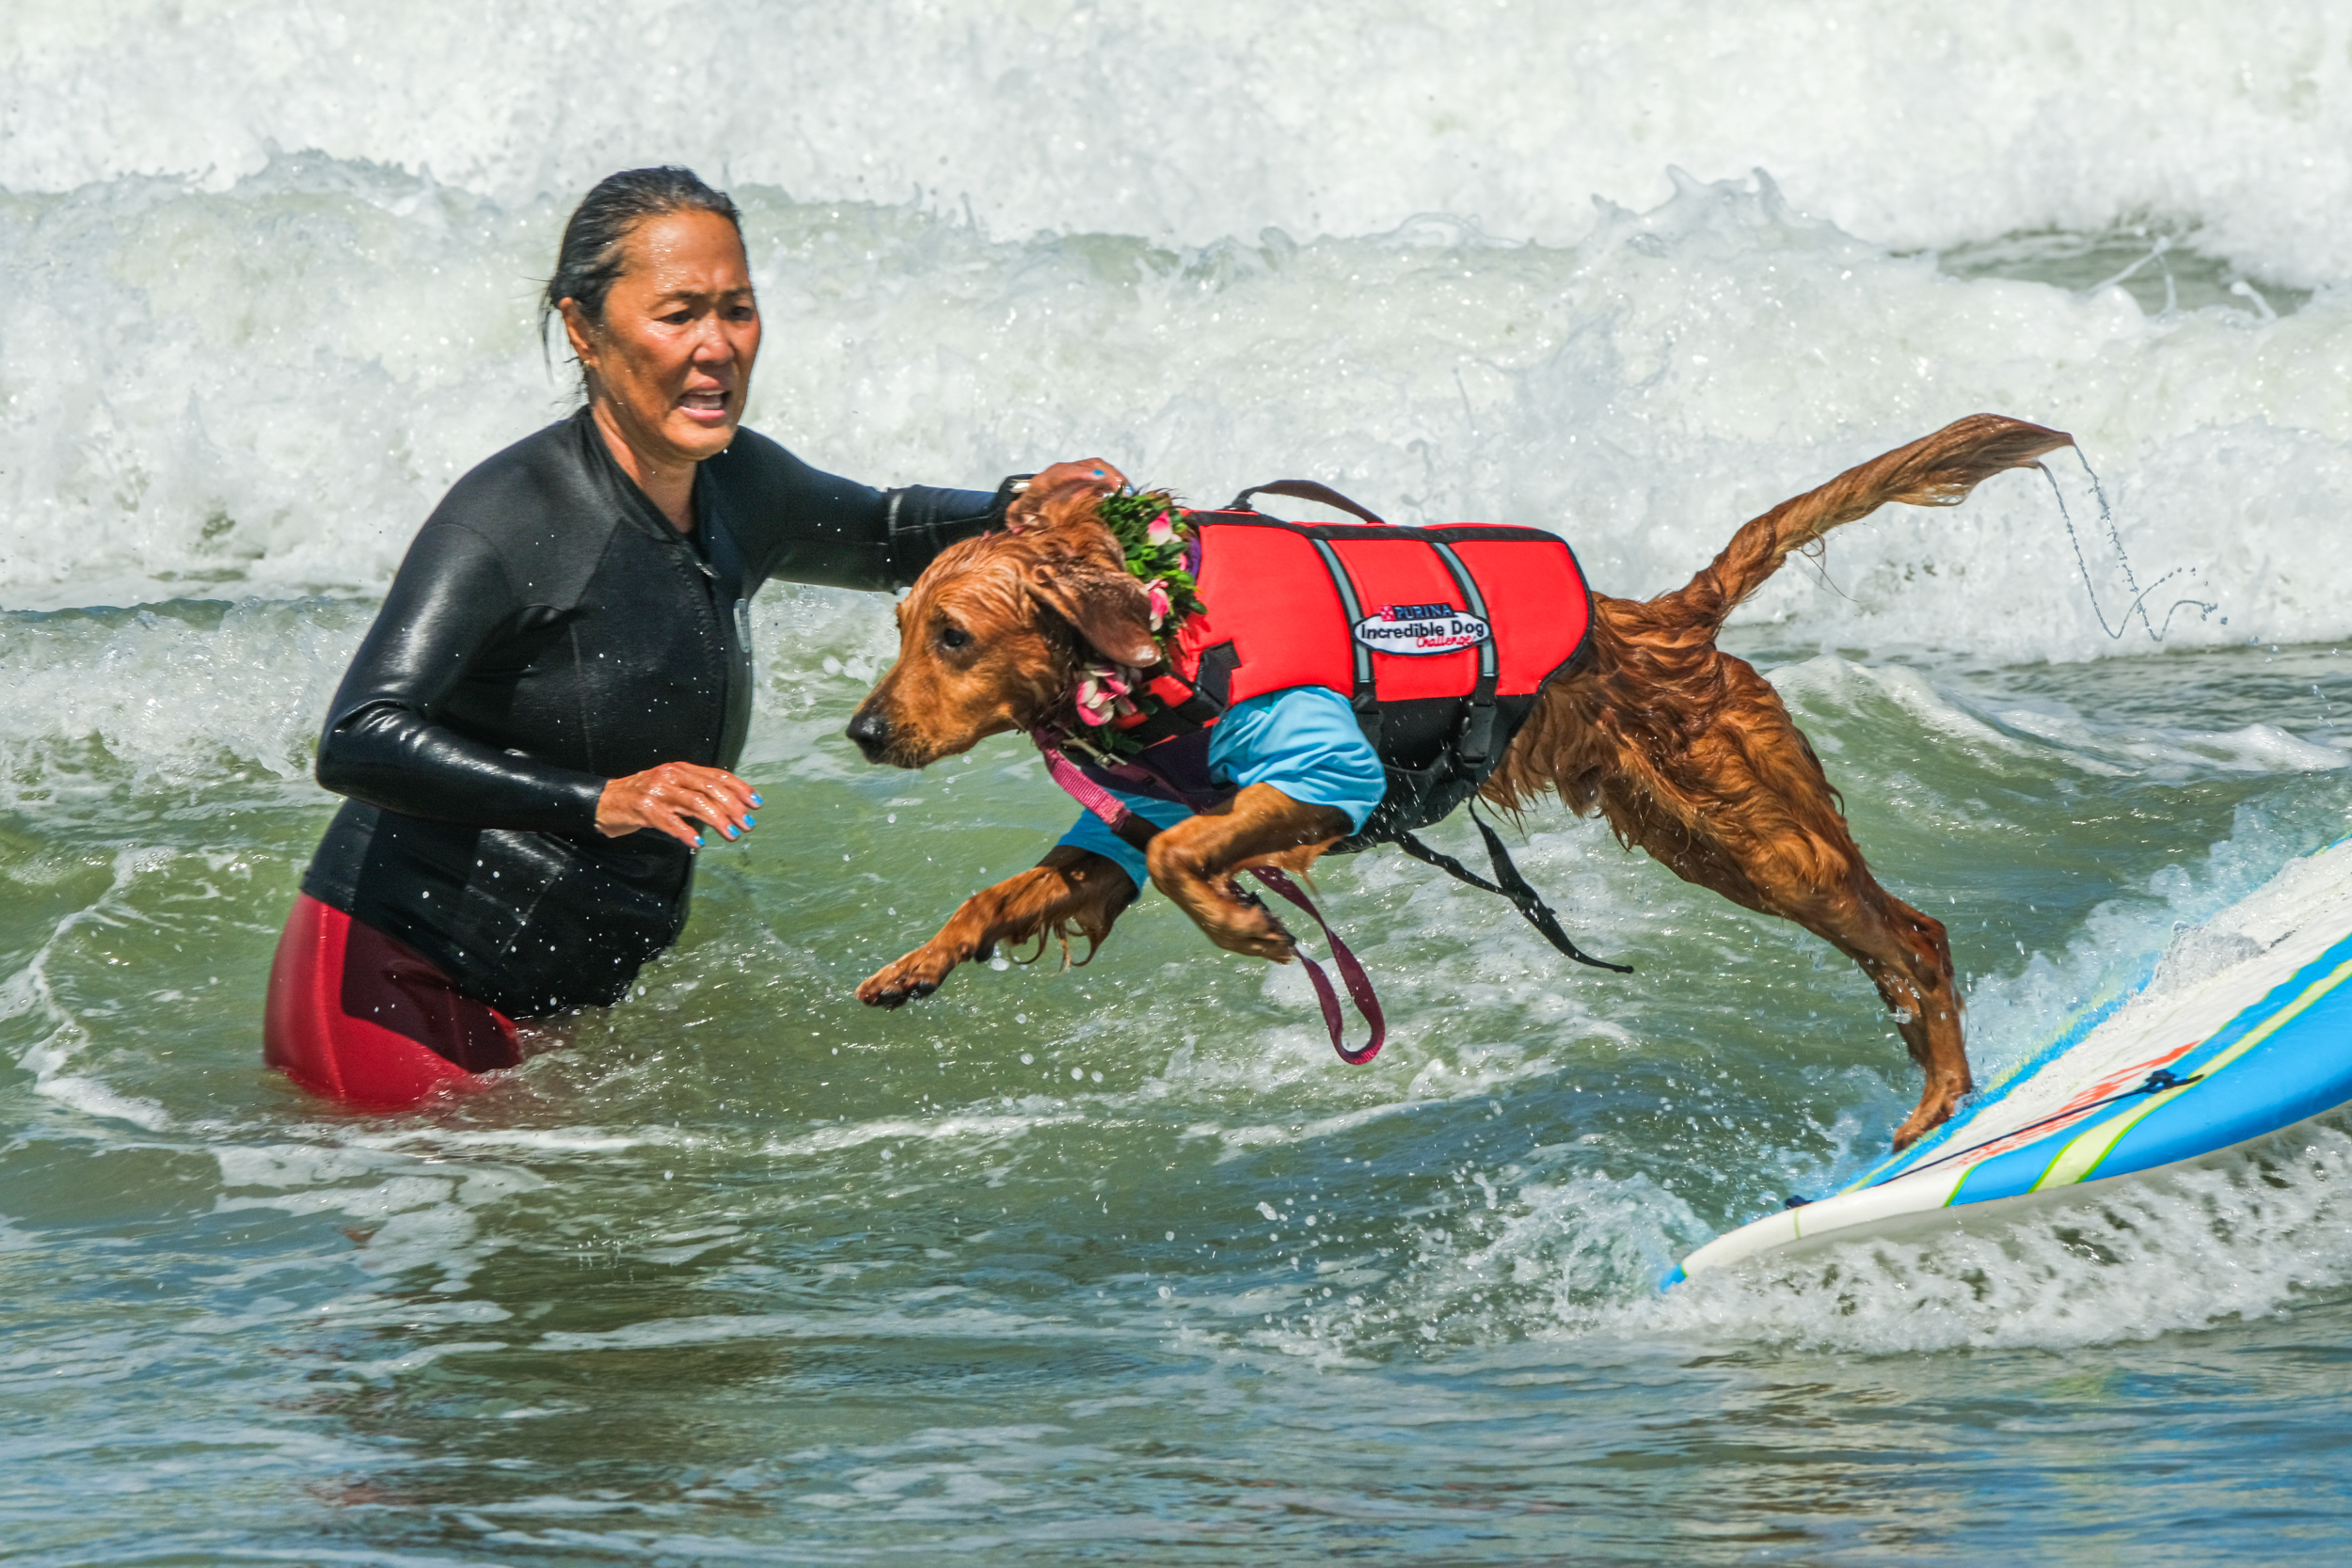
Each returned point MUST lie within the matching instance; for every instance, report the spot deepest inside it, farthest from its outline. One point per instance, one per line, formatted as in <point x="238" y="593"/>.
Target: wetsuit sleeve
<point x="803" y="525"/>
<point x="446" y="607"/>
<point x="925" y="520"/>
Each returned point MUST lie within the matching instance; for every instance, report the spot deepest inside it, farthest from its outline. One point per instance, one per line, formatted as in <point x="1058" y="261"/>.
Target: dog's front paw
<point x="1240" y="924"/>
<point x="916" y="974"/>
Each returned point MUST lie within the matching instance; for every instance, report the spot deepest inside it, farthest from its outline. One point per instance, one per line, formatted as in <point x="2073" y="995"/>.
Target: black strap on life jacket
<point x="1513" y="886"/>
<point x="1474" y="747"/>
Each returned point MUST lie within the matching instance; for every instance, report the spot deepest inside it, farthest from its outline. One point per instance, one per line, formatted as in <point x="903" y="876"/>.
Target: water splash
<point x="2115" y="538"/>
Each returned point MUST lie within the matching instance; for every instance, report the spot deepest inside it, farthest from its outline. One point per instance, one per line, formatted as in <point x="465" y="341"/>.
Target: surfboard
<point x="2241" y="1030"/>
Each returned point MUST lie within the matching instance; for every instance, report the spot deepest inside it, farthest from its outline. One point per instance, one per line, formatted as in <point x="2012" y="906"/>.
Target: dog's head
<point x="993" y="633"/>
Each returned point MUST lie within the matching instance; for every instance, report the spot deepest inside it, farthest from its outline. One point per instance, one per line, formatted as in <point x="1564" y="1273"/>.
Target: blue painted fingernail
<point x="751" y="822"/>
<point x="757" y="801"/>
<point x="730" y="833"/>
<point x="698" y="841"/>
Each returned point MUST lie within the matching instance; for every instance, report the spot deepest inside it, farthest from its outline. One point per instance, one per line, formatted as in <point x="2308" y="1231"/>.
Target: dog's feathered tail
<point x="1938" y="470"/>
<point x="1619" y="733"/>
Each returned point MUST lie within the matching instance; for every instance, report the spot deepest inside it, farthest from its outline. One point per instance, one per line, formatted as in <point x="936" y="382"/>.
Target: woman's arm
<point x="923" y="520"/>
<point x="803" y="525"/>
<point x="449" y="602"/>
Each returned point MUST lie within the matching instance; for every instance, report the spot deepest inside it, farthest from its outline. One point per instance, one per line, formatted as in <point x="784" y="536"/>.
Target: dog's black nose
<point x="871" y="732"/>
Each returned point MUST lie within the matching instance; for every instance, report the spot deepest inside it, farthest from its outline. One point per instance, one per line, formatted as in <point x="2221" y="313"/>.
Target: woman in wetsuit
<point x="538" y="731"/>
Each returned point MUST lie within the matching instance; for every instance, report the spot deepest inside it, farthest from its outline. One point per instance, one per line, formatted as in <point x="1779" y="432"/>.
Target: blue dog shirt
<point x="1304" y="741"/>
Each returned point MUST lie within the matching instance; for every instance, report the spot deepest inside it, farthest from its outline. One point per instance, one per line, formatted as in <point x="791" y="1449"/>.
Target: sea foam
<point x="322" y="347"/>
<point x="1920" y="126"/>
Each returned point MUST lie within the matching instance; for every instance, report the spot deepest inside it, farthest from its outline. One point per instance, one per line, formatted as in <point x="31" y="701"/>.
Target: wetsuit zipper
<point x="725" y="608"/>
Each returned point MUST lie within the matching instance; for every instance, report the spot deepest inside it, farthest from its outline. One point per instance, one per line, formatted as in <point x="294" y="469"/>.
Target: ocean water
<point x="1118" y="1263"/>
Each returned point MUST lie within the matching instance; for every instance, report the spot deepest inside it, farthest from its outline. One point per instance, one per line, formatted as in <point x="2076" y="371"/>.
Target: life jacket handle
<point x="1305" y="490"/>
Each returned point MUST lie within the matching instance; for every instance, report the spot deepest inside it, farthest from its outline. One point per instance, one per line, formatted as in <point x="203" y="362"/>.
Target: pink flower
<point x="1102" y="694"/>
<point x="1160" y="531"/>
<point x="1156" y="592"/>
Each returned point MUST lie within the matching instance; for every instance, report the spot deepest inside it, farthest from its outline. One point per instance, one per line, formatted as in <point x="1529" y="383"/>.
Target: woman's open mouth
<point x="705" y="406"/>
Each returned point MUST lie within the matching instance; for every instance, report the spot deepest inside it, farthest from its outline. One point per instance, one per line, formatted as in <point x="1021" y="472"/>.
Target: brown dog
<point x="1685" y="749"/>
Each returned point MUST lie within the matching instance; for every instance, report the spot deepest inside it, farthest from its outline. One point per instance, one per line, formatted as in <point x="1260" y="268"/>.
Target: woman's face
<point x="671" y="361"/>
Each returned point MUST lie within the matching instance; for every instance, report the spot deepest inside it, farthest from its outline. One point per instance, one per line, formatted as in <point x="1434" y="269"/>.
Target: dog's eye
<point x="952" y="637"/>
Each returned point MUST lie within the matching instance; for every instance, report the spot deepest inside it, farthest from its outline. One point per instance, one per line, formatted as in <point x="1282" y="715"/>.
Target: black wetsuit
<point x="551" y="630"/>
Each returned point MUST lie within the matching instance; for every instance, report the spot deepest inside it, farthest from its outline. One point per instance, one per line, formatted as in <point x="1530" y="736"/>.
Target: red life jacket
<point x="1440" y="638"/>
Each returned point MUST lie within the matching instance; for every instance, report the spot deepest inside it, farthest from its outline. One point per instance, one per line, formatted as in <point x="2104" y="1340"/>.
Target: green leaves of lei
<point x="1145" y="524"/>
<point x="1152" y="544"/>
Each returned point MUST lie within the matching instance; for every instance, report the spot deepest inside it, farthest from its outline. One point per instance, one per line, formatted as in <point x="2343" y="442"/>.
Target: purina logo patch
<point x="1421" y="629"/>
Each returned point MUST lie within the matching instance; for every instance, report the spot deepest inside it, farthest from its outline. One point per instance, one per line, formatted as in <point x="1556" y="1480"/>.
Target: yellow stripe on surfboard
<point x="2082" y="1154"/>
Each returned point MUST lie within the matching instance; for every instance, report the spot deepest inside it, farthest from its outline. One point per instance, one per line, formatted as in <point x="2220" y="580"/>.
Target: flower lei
<point x="1154" y="544"/>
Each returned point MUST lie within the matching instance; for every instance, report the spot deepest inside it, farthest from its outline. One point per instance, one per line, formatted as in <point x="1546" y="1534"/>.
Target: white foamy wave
<point x="2043" y="728"/>
<point x="1579" y="1257"/>
<point x="1493" y="1258"/>
<point x="286" y="375"/>
<point x="2190" y="1249"/>
<point x="1222" y="116"/>
<point x="1645" y="391"/>
<point x="2189" y="915"/>
<point x="169" y="698"/>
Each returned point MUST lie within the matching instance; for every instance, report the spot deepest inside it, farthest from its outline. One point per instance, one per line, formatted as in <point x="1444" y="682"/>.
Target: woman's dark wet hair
<point x="589" y="262"/>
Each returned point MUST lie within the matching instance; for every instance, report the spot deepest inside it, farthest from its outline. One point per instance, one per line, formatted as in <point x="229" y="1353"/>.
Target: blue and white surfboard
<point x="2244" y="1032"/>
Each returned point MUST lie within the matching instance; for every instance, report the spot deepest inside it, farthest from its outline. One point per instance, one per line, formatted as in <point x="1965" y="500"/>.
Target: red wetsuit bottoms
<point x="355" y="1016"/>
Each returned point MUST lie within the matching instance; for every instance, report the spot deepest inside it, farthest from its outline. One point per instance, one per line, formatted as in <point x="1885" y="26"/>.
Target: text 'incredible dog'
<point x="1686" y="750"/>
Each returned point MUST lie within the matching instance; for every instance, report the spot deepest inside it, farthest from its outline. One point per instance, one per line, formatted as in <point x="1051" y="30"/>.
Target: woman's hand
<point x="672" y="799"/>
<point x="1086" y="469"/>
<point x="1088" y="474"/>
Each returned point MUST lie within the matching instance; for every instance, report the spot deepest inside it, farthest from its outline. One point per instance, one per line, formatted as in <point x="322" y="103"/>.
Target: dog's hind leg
<point x="1827" y="888"/>
<point x="1907" y="956"/>
<point x="1744" y="810"/>
<point x="1692" y="757"/>
<point x="1070" y="892"/>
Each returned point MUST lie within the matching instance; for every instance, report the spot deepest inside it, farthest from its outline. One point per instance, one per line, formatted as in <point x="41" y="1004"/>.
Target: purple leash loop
<point x="1351" y="973"/>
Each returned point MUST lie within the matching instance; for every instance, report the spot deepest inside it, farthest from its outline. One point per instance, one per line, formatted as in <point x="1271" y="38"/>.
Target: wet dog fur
<point x="1684" y="749"/>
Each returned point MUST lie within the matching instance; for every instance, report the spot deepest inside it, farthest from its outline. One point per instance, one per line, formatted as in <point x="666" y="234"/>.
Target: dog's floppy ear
<point x="1107" y="606"/>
